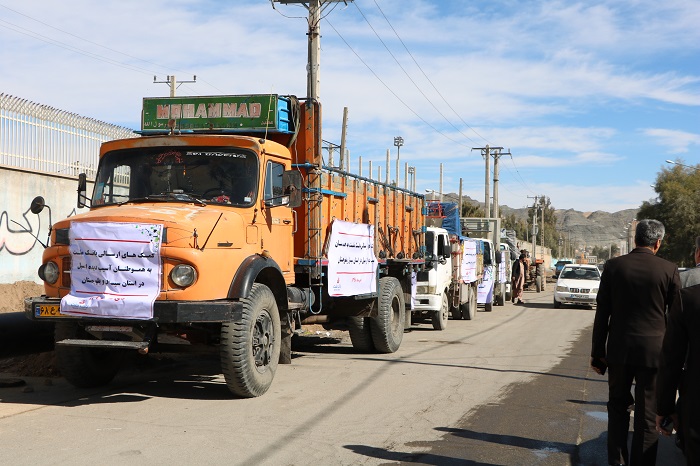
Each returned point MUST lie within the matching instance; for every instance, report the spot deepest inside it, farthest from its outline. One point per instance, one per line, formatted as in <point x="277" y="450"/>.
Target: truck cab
<point x="506" y="267"/>
<point x="433" y="283"/>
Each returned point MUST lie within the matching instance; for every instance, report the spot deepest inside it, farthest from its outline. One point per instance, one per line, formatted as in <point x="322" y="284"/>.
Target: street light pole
<point x="682" y="165"/>
<point x="398" y="142"/>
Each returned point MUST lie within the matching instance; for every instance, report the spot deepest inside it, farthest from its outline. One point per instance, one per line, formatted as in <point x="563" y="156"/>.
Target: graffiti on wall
<point x="19" y="237"/>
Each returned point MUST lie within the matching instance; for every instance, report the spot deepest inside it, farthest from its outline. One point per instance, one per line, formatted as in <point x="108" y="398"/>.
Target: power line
<point x="426" y="76"/>
<point x="95" y="56"/>
<point x="408" y="76"/>
<point x="391" y="90"/>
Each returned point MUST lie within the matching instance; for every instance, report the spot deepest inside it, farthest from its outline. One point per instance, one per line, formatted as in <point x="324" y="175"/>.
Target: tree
<point x="676" y="206"/>
<point x="603" y="252"/>
<point x="472" y="210"/>
<point x="511" y="222"/>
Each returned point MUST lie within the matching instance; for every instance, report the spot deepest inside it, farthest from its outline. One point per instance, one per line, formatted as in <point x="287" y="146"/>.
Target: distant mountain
<point x="583" y="228"/>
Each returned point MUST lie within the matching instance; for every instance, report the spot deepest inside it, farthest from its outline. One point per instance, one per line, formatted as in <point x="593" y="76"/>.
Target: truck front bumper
<point x="428" y="302"/>
<point x="44" y="308"/>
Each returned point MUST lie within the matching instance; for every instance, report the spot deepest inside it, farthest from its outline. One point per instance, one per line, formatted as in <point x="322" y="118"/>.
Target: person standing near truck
<point x="518" y="278"/>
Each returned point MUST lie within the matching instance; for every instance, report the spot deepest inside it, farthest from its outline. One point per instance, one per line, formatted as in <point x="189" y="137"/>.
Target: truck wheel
<point x="250" y="348"/>
<point x="440" y="317"/>
<point x="360" y="334"/>
<point x="84" y="367"/>
<point x="387" y="326"/>
<point x="488" y="307"/>
<point x="469" y="308"/>
<point x="538" y="283"/>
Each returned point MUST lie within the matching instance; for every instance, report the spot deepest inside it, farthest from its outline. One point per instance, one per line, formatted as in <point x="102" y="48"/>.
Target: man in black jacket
<point x="681" y="348"/>
<point x="635" y="292"/>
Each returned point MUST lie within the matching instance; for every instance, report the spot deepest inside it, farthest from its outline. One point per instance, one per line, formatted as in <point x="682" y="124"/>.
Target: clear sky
<point x="591" y="97"/>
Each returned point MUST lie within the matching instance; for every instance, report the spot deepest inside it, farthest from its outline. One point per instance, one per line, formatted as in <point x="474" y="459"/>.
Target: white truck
<point x="492" y="289"/>
<point x="448" y="284"/>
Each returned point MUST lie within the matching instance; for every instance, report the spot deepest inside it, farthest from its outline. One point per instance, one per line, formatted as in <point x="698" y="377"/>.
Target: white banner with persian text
<point x="469" y="261"/>
<point x="502" y="267"/>
<point x="352" y="266"/>
<point x="484" y="292"/>
<point x="115" y="269"/>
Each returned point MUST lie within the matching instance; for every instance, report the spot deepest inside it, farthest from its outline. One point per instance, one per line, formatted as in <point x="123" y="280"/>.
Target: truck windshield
<point x="207" y="175"/>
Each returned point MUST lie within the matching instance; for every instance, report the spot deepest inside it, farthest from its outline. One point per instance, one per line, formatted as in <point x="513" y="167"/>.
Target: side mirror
<point x="82" y="190"/>
<point x="37" y="205"/>
<point x="499" y="258"/>
<point x="291" y="184"/>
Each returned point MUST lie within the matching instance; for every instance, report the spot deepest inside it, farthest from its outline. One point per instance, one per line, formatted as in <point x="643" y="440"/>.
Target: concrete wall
<point x="20" y="252"/>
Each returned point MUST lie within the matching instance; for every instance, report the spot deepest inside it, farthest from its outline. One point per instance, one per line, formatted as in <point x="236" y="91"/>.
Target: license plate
<point x="48" y="310"/>
<point x="579" y="296"/>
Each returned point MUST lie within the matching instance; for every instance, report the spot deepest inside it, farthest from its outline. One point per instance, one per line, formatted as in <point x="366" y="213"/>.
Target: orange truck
<point x="220" y="227"/>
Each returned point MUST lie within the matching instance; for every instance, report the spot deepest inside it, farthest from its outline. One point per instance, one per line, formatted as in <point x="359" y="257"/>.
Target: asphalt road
<point x="511" y="387"/>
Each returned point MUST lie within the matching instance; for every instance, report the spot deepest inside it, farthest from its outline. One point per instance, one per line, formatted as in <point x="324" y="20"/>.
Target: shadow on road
<point x="421" y="458"/>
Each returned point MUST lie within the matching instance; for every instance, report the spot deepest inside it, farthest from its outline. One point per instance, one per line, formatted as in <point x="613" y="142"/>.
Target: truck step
<point x="136" y="345"/>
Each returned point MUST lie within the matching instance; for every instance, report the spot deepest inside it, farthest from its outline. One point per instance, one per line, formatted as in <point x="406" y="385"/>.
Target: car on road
<point x="578" y="285"/>
<point x="560" y="265"/>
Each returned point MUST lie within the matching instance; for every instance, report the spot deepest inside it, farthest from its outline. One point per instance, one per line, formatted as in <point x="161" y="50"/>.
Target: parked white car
<point x="577" y="284"/>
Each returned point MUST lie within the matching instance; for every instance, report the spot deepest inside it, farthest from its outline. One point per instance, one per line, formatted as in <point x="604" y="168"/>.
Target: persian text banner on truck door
<point x="352" y="266"/>
<point x="115" y="269"/>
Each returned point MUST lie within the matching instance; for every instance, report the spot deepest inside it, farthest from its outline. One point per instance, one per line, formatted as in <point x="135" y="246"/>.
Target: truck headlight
<point x="562" y="288"/>
<point x="183" y="275"/>
<point x="49" y="272"/>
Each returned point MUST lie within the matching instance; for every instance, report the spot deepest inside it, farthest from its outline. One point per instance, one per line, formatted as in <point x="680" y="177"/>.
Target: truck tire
<point x="84" y="367"/>
<point x="538" y="283"/>
<point x="387" y="326"/>
<point x="360" y="334"/>
<point x="440" y="317"/>
<point x="250" y="348"/>
<point x="469" y="308"/>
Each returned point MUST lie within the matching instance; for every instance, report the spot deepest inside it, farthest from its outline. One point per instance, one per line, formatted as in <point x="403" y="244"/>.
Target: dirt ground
<point x="12" y="295"/>
<point x="27" y="365"/>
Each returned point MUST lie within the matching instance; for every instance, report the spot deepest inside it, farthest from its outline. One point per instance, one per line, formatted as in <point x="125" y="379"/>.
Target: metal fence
<point x="43" y="138"/>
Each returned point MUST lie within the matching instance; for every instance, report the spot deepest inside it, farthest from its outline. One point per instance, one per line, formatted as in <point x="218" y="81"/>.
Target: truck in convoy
<point x="492" y="288"/>
<point x="453" y="269"/>
<point x="220" y="227"/>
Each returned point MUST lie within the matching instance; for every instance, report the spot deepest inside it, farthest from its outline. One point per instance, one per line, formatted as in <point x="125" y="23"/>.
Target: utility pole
<point x="172" y="82"/>
<point x="315" y="8"/>
<point x="487" y="184"/>
<point x="497" y="155"/>
<point x="342" y="137"/>
<point x="486" y="154"/>
<point x="534" y="227"/>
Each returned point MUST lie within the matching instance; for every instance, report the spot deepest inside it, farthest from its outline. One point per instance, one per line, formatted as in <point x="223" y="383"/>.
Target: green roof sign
<point x="261" y="112"/>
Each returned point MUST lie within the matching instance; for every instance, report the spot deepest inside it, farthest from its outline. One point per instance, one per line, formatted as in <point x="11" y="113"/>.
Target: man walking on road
<point x="635" y="292"/>
<point x="691" y="277"/>
<point x="681" y="348"/>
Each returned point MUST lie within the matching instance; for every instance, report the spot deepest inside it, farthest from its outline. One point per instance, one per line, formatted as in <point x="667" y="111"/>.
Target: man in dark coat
<point x="635" y="292"/>
<point x="691" y="277"/>
<point x="681" y="347"/>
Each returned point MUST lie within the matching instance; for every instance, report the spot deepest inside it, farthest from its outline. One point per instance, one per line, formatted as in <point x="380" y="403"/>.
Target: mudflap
<point x="287" y="328"/>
